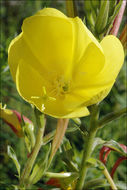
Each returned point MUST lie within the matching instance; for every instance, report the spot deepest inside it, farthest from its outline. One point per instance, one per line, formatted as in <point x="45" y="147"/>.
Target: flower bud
<point x="95" y="3"/>
<point x="13" y="119"/>
<point x="102" y="17"/>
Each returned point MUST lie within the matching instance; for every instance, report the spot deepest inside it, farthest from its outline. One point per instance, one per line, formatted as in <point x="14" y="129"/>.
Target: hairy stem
<point x="30" y="162"/>
<point x="88" y="147"/>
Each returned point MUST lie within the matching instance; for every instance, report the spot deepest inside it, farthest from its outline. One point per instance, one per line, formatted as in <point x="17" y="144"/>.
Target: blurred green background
<point x="12" y="15"/>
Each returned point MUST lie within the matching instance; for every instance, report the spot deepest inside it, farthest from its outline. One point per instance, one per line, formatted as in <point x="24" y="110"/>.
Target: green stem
<point x="109" y="179"/>
<point x="32" y="158"/>
<point x="88" y="147"/>
<point x="112" y="116"/>
<point x="71" y="8"/>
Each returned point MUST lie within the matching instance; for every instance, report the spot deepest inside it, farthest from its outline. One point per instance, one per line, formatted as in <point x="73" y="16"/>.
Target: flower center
<point x="60" y="87"/>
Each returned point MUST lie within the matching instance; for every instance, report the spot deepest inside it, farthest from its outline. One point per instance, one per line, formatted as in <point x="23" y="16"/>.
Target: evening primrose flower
<point x="59" y="66"/>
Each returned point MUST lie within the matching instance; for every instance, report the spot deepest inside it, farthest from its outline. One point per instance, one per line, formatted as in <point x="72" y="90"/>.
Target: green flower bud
<point x="95" y="3"/>
<point x="102" y="17"/>
<point x="112" y="7"/>
<point x="87" y="5"/>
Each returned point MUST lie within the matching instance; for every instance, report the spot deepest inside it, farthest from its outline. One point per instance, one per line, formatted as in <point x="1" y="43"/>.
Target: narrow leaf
<point x="12" y="155"/>
<point x="39" y="168"/>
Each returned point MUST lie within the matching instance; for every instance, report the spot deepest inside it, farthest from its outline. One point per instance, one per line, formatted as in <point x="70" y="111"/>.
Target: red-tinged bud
<point x="13" y="119"/>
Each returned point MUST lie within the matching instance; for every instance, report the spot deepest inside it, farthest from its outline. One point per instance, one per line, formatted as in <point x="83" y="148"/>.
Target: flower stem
<point x="32" y="158"/>
<point x="88" y="147"/>
<point x="109" y="179"/>
<point x="86" y="155"/>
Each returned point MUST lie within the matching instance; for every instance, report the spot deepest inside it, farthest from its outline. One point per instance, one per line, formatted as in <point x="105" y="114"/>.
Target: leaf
<point x="67" y="155"/>
<point x="97" y="141"/>
<point x="39" y="168"/>
<point x="121" y="185"/>
<point x="12" y="155"/>
<point x="67" y="151"/>
<point x="95" y="184"/>
<point x="116" y="146"/>
<point x="95" y="163"/>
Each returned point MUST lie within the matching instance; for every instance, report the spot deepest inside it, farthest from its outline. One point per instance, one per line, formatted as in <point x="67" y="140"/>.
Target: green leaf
<point x="97" y="141"/>
<point x="112" y="5"/>
<point x="39" y="168"/>
<point x="95" y="163"/>
<point x="115" y="146"/>
<point x="121" y="185"/>
<point x="12" y="155"/>
<point x="95" y="4"/>
<point x="95" y="184"/>
<point x="28" y="130"/>
<point x="77" y="121"/>
<point x="67" y="155"/>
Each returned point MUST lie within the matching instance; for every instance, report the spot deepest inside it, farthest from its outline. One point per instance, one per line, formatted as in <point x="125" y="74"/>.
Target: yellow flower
<point x="60" y="67"/>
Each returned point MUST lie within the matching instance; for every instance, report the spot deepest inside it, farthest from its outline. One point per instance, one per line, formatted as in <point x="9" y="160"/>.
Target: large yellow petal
<point x="51" y="12"/>
<point x="83" y="39"/>
<point x="97" y="87"/>
<point x="114" y="54"/>
<point x="79" y="112"/>
<point x="50" y="40"/>
<point x="90" y="65"/>
<point x="19" y="50"/>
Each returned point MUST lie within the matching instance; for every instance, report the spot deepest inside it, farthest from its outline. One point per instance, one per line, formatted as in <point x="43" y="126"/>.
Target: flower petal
<point x="51" y="12"/>
<point x="114" y="55"/>
<point x="50" y="40"/>
<point x="97" y="87"/>
<point x="79" y="112"/>
<point x="90" y="65"/>
<point x="29" y="82"/>
<point x="19" y="50"/>
<point x="83" y="39"/>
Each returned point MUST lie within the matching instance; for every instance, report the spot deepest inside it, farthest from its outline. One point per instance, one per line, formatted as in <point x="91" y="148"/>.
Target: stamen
<point x="44" y="97"/>
<point x="43" y="107"/>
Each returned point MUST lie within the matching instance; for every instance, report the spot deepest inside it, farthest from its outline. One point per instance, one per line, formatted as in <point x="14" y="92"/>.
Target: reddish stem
<point x="117" y="164"/>
<point x="123" y="36"/>
<point x="118" y="19"/>
<point x="105" y="150"/>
